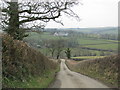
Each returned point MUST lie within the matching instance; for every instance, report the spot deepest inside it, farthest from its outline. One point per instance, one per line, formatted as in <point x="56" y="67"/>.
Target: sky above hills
<point x="93" y="13"/>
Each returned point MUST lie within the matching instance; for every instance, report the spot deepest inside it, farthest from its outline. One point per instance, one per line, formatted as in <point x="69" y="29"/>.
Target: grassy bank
<point x="103" y="69"/>
<point x="34" y="82"/>
<point x="25" y="67"/>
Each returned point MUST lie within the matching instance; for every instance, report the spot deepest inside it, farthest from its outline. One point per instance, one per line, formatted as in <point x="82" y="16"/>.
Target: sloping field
<point x="88" y="41"/>
<point x="111" y="46"/>
<point x="86" y="57"/>
<point x="103" y="69"/>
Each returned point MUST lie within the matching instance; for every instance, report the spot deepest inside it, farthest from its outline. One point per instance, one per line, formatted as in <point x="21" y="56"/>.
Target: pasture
<point x="86" y="57"/>
<point x="103" y="44"/>
<point x="107" y="46"/>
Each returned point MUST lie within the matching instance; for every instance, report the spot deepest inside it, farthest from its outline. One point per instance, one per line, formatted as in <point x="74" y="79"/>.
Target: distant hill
<point x="100" y="30"/>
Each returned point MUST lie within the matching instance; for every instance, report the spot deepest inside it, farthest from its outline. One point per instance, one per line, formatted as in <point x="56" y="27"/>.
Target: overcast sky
<point x="93" y="13"/>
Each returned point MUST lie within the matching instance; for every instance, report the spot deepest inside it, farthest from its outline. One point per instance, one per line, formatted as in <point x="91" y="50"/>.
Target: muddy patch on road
<point x="64" y="68"/>
<point x="69" y="74"/>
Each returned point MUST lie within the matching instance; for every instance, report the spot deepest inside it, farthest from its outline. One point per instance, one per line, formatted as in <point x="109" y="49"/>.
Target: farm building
<point x="60" y="34"/>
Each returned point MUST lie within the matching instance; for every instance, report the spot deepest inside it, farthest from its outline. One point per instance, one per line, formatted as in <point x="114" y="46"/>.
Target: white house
<point x="60" y="34"/>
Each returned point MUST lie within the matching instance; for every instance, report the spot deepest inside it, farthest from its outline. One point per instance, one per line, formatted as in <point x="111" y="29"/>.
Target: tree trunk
<point x="58" y="56"/>
<point x="52" y="53"/>
<point x="13" y="29"/>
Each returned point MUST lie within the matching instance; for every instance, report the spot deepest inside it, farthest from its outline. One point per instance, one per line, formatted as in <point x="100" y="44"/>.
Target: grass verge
<point x="42" y="81"/>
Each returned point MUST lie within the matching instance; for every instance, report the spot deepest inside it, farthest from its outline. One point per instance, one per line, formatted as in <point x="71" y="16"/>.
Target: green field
<point x="87" y="57"/>
<point x="43" y="35"/>
<point x="85" y="41"/>
<point x="82" y="41"/>
<point x="111" y="46"/>
<point x="47" y="35"/>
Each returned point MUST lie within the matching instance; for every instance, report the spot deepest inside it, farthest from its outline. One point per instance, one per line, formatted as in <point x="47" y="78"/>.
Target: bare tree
<point x="60" y="45"/>
<point x="55" y="46"/>
<point x="52" y="45"/>
<point x="30" y="13"/>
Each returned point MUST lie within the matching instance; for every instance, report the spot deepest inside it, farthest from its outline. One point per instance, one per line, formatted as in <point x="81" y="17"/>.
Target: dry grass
<point x="20" y="61"/>
<point x="103" y="69"/>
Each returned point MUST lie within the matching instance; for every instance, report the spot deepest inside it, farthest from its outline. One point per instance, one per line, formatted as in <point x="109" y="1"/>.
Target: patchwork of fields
<point x="93" y="43"/>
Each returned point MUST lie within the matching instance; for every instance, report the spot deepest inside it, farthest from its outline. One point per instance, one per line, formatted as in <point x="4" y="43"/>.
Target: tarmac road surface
<point x="69" y="79"/>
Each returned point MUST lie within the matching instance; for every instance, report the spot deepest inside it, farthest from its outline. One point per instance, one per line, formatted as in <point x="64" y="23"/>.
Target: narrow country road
<point x="69" y="79"/>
